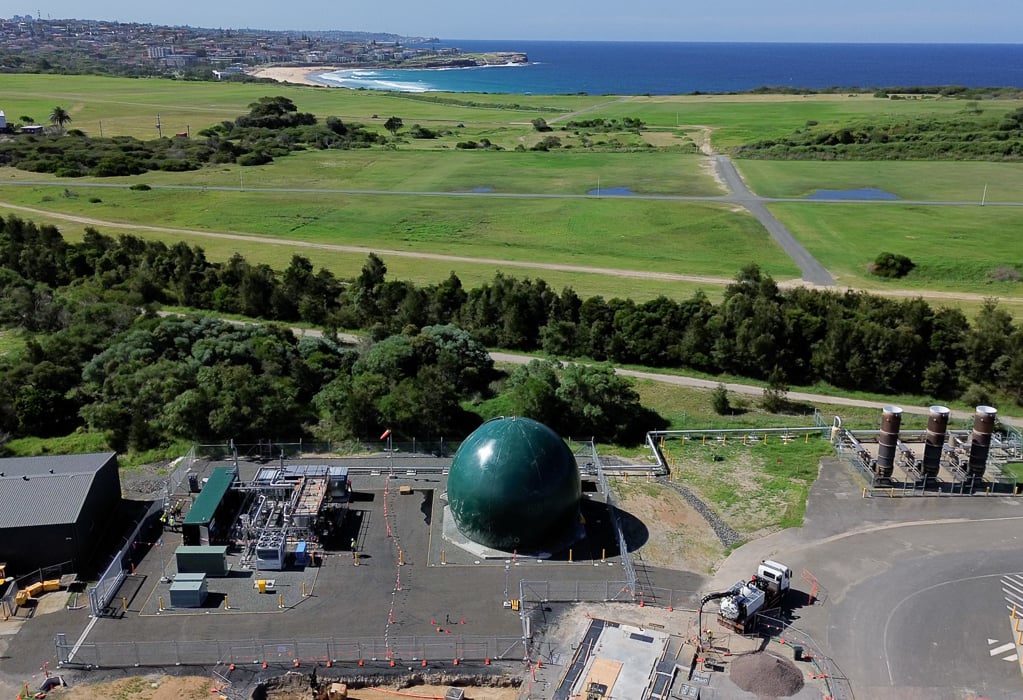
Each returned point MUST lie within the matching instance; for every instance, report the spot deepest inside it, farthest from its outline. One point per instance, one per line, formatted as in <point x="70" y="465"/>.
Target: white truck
<point x="765" y="590"/>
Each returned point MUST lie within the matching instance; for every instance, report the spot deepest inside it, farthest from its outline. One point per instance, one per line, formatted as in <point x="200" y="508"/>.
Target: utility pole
<point x="159" y="129"/>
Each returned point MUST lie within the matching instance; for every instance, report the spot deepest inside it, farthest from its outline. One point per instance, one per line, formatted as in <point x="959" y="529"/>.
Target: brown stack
<point x="934" y="440"/>
<point x="980" y="440"/>
<point x="888" y="440"/>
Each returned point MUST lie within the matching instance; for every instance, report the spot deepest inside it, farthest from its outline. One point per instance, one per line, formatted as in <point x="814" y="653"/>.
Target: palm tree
<point x="59" y="117"/>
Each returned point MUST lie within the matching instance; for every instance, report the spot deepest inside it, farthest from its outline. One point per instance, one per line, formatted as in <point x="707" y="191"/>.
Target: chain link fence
<point x="288" y="652"/>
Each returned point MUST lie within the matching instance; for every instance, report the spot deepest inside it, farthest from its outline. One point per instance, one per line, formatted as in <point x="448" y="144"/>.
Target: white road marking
<point x="1002" y="649"/>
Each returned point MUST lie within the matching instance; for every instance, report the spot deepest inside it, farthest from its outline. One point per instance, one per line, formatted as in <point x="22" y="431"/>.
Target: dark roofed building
<point x="55" y="509"/>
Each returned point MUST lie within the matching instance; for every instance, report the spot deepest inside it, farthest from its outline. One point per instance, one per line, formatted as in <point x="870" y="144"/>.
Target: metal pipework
<point x="934" y="440"/>
<point x="888" y="440"/>
<point x="980" y="440"/>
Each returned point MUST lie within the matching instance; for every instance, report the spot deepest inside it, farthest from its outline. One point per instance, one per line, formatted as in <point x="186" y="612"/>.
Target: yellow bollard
<point x="864" y="492"/>
<point x="724" y="439"/>
<point x="1013" y="611"/>
<point x="765" y="438"/>
<point x="891" y="492"/>
<point x="304" y="593"/>
<point x="160" y="600"/>
<point x="401" y="557"/>
<point x="987" y="491"/>
<point x="227" y="604"/>
<point x="355" y="554"/>
<point x="280" y="601"/>
<point x="443" y="557"/>
<point x="704" y="440"/>
<point x="570" y="554"/>
<point x="1020" y="642"/>
<point x="807" y="440"/>
<point x="626" y="477"/>
<point x="124" y="603"/>
<point x="603" y="555"/>
<point x="1016" y="626"/>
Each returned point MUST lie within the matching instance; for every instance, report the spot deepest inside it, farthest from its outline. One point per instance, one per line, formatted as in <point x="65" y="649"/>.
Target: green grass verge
<point x="755" y="488"/>
<point x="84" y="441"/>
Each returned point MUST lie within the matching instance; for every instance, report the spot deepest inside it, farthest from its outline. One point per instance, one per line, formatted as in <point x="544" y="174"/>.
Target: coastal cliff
<point x="467" y="60"/>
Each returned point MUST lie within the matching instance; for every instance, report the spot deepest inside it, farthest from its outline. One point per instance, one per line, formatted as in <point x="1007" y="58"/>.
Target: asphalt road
<point x="912" y="602"/>
<point x="812" y="271"/>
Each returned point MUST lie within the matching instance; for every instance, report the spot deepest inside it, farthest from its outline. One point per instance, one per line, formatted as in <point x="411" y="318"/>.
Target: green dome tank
<point x="514" y="484"/>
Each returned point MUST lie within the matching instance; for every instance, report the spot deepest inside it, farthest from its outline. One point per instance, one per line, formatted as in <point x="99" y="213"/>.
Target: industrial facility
<point x="465" y="559"/>
<point x="55" y="509"/>
<point x="273" y="516"/>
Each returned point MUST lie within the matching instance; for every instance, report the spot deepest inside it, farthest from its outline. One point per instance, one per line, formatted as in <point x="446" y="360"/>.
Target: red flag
<point x="386" y="433"/>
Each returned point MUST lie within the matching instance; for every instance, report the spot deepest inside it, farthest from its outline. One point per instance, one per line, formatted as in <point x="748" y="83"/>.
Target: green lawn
<point x="663" y="236"/>
<point x="560" y="172"/>
<point x="913" y="180"/>
<point x="954" y="248"/>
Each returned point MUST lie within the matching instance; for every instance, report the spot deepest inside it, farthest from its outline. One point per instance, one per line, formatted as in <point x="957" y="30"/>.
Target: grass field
<point x="958" y="248"/>
<point x="128" y="107"/>
<point x="563" y="172"/>
<point x="739" y="119"/>
<point x="934" y="181"/>
<point x="630" y="234"/>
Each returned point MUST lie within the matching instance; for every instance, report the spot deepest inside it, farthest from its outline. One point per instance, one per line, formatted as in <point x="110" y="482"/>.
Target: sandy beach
<point x="292" y="74"/>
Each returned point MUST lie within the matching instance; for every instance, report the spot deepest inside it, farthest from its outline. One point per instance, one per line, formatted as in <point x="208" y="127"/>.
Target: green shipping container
<point x="205" y="559"/>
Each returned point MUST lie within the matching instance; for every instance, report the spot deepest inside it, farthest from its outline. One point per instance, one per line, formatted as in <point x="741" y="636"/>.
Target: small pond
<point x="862" y="193"/>
<point x="612" y="191"/>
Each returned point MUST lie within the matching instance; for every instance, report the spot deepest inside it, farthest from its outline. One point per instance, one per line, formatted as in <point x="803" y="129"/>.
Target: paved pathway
<point x="813" y="272"/>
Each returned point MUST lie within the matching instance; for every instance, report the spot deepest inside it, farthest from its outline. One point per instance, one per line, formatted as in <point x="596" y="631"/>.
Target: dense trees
<point x="971" y="134"/>
<point x="94" y="354"/>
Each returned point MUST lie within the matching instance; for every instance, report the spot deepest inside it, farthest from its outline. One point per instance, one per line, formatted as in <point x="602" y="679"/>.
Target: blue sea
<point x="661" y="68"/>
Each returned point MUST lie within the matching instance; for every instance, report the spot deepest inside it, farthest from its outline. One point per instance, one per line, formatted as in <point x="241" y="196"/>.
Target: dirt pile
<point x="766" y="675"/>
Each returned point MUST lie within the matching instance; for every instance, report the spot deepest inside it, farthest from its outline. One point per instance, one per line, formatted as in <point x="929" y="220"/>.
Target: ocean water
<point x="660" y="68"/>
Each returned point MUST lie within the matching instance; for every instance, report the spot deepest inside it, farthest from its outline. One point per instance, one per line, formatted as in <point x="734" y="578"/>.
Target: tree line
<point x="96" y="355"/>
<point x="75" y="299"/>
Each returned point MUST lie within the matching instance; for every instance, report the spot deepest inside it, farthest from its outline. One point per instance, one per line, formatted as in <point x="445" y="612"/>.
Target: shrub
<point x="891" y="266"/>
<point x="719" y="400"/>
<point x="95" y="200"/>
<point x="255" y="158"/>
<point x="1006" y="273"/>
<point x="140" y="187"/>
